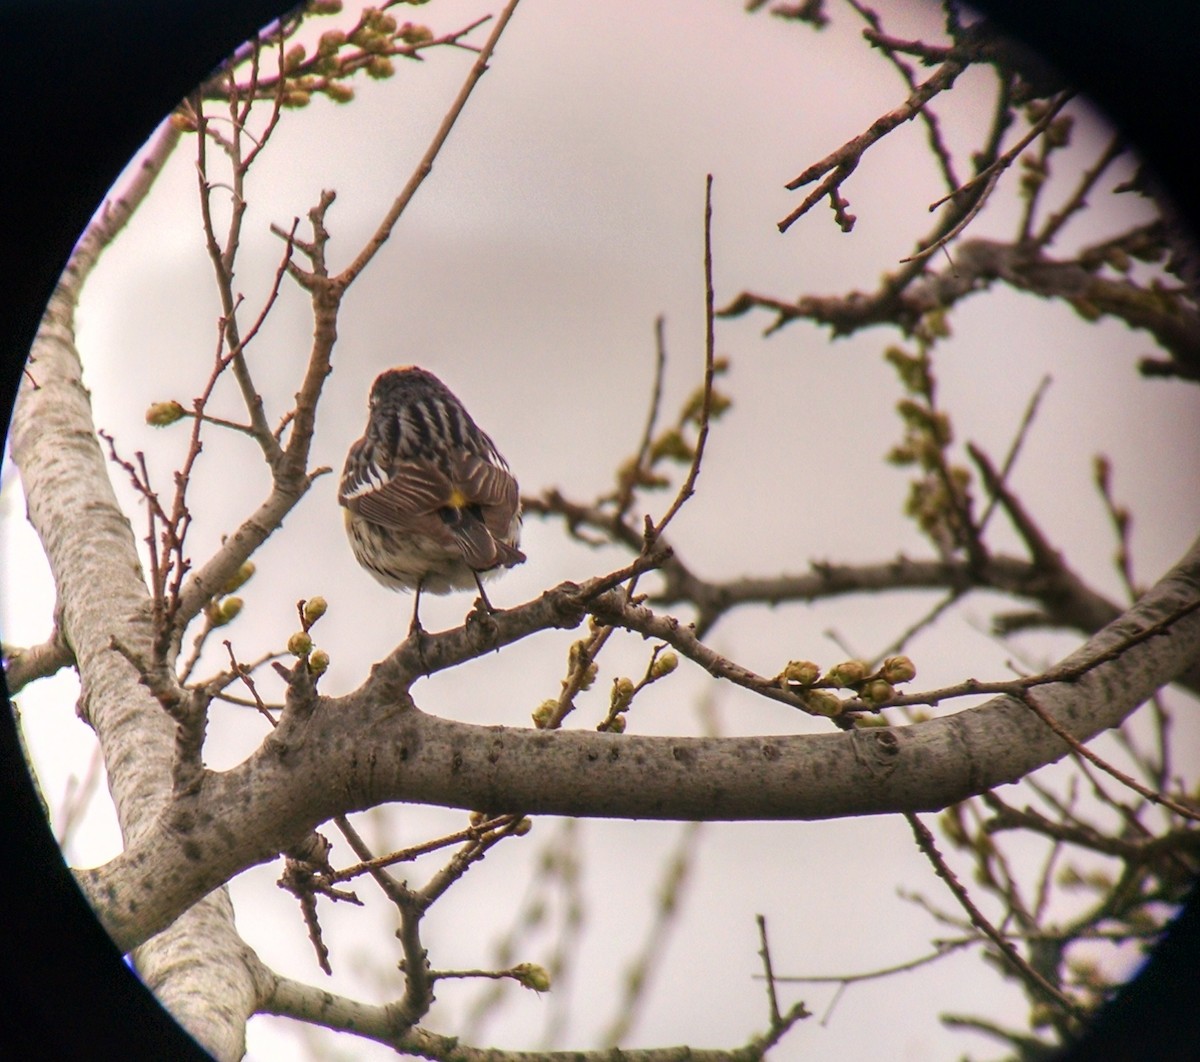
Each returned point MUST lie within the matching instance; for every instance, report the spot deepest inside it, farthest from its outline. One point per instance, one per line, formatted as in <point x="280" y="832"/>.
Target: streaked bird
<point x="429" y="502"/>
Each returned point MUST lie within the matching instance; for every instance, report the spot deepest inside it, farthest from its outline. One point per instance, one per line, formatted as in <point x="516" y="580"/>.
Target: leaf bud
<point x="822" y="702"/>
<point x="300" y="644"/>
<point x="672" y="446"/>
<point x="239" y="578"/>
<point x="330" y="42"/>
<point x="799" y="672"/>
<point x="543" y="713"/>
<point x="863" y="722"/>
<point x="413" y="34"/>
<point x="532" y="976"/>
<point x="314" y="609"/>
<point x="339" y="92"/>
<point x="589" y="675"/>
<point x="898" y="669"/>
<point x="161" y="414"/>
<point x="1058" y="132"/>
<point x="225" y="611"/>
<point x="293" y="58"/>
<point x="318" y="662"/>
<point x="847" y="673"/>
<point x="663" y="664"/>
<point x="380" y="67"/>
<point x="877" y="691"/>
<point x="622" y="694"/>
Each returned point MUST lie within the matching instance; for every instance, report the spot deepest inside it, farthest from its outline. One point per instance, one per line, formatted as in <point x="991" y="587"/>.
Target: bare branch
<point x="425" y="166"/>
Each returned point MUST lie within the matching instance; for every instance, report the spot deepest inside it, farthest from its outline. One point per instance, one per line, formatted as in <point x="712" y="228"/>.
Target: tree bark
<point x="195" y="965"/>
<point x="334" y="755"/>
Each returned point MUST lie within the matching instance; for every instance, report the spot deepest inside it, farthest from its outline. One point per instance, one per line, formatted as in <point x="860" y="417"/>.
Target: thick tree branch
<point x="23" y="665"/>
<point x="380" y="747"/>
<point x="93" y="559"/>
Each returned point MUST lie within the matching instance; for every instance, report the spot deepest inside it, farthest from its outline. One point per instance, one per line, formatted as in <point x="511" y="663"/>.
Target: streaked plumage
<point x="430" y="503"/>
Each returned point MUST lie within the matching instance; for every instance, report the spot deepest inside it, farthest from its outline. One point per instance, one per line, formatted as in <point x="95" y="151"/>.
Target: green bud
<point x="318" y="662"/>
<point x="300" y="644"/>
<point x="622" y="695"/>
<point x="380" y="67"/>
<point x="314" y="609"/>
<point x="324" y="7"/>
<point x="182" y="122"/>
<point x="543" y="713"/>
<point x="338" y="92"/>
<point x="412" y="34"/>
<point x="224" y="611"/>
<point x="532" y="976"/>
<point x="522" y="827"/>
<point x="1058" y="132"/>
<point x="864" y="722"/>
<point x="161" y="414"/>
<point x="664" y="664"/>
<point x="589" y="675"/>
<point x="822" y="702"/>
<point x="615" y="725"/>
<point x="293" y="58"/>
<point x="239" y="578"/>
<point x="800" y="673"/>
<point x="877" y="690"/>
<point x="672" y="446"/>
<point x="295" y="99"/>
<point x="847" y="673"/>
<point x="898" y="669"/>
<point x="330" y="42"/>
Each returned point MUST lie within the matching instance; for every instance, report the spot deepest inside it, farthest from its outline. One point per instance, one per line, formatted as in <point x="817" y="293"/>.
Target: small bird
<point x="429" y="501"/>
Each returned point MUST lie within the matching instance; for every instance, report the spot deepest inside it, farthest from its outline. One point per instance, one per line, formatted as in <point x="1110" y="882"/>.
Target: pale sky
<point x="563" y="216"/>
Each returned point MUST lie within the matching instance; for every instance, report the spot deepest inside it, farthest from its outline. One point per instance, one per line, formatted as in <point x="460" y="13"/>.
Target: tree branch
<point x="398" y="753"/>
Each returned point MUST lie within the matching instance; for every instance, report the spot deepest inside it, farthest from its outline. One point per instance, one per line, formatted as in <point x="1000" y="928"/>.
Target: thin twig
<point x="1035" y="980"/>
<point x="1014" y="449"/>
<point x="1005" y="160"/>
<point x="425" y="166"/>
<point x="1082" y="750"/>
<point x="765" y="954"/>
<point x="688" y="488"/>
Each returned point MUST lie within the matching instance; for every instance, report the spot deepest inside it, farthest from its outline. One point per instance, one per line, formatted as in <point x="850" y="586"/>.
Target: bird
<point x="429" y="502"/>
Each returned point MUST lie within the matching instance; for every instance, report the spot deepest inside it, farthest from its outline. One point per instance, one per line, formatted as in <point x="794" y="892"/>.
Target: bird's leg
<point x="415" y="626"/>
<point x="482" y="594"/>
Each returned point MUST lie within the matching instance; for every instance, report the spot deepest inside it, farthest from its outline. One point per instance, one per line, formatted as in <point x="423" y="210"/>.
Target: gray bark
<point x="196" y="964"/>
<point x="374" y="745"/>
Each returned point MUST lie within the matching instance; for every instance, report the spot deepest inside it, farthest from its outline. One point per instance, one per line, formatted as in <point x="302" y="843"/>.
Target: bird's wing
<point x="413" y="491"/>
<point x="471" y="508"/>
<point x="490" y="487"/>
